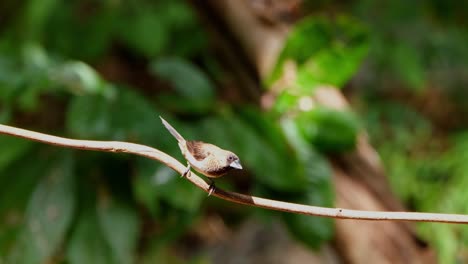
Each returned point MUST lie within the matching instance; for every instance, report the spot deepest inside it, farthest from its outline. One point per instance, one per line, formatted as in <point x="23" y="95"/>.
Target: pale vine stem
<point x="152" y="153"/>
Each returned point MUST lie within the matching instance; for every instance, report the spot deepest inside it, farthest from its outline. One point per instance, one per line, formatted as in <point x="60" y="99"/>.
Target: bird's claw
<point x="186" y="172"/>
<point x="212" y="187"/>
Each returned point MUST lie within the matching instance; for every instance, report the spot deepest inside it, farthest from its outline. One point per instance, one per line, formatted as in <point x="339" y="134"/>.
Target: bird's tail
<point x="172" y="130"/>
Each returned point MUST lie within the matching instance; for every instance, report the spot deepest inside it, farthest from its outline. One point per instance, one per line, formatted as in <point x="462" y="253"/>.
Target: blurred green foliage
<point x="415" y="73"/>
<point x="415" y="46"/>
<point x="326" y="52"/>
<point x="330" y="130"/>
<point x="199" y="96"/>
<point x="428" y="176"/>
<point x="105" y="71"/>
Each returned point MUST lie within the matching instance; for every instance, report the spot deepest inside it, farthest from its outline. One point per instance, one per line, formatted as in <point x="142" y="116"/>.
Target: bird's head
<point x="233" y="161"/>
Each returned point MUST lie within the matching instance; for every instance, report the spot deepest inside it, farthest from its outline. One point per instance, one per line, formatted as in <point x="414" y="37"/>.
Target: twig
<point x="148" y="152"/>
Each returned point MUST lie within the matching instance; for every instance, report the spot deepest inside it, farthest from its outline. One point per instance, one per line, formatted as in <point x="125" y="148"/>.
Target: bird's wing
<point x="197" y="150"/>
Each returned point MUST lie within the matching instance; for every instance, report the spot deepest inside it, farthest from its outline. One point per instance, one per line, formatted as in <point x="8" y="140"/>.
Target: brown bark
<point x="359" y="180"/>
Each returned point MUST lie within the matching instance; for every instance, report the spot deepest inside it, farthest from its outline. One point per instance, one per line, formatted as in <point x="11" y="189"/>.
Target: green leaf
<point x="9" y="81"/>
<point x="89" y="117"/>
<point x="184" y="189"/>
<point x="36" y="73"/>
<point x="87" y="242"/>
<point x="80" y="78"/>
<point x="66" y="33"/>
<point x="311" y="230"/>
<point x="23" y="75"/>
<point x="311" y="164"/>
<point x="48" y="216"/>
<point x="286" y="101"/>
<point x="187" y="35"/>
<point x="6" y="112"/>
<point x="330" y="67"/>
<point x="14" y="195"/>
<point x="155" y="181"/>
<point x="15" y="191"/>
<point x="408" y="63"/>
<point x="142" y="184"/>
<point x="329" y="130"/>
<point x="36" y="13"/>
<point x="258" y="152"/>
<point x="127" y="116"/>
<point x="174" y="224"/>
<point x="12" y="148"/>
<point x="265" y="125"/>
<point x="446" y="239"/>
<point x="188" y="81"/>
<point x="267" y="153"/>
<point x="325" y="52"/>
<point x="145" y="31"/>
<point x="308" y="37"/>
<point x="115" y="215"/>
<point x="178" y="14"/>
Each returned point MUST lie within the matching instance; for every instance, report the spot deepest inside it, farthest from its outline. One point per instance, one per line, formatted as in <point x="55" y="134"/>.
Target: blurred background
<point x="305" y="92"/>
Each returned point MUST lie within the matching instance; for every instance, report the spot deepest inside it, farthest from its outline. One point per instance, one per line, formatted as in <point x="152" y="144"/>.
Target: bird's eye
<point x="230" y="158"/>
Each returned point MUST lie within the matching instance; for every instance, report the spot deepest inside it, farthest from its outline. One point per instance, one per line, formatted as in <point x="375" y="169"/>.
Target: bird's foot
<point x="212" y="187"/>
<point x="186" y="172"/>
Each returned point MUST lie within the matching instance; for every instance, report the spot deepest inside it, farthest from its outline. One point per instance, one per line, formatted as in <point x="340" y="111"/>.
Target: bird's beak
<point x="236" y="165"/>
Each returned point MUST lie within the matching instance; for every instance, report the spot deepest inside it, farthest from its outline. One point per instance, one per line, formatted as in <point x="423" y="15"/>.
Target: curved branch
<point x="148" y="152"/>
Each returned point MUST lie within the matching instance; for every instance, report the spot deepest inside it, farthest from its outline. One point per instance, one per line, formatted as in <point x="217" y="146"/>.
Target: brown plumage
<point x="205" y="158"/>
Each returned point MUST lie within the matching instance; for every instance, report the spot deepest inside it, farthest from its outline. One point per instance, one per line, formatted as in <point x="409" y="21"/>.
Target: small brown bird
<point x="205" y="158"/>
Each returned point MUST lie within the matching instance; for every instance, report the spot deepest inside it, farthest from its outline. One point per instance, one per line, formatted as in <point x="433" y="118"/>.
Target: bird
<point x="207" y="159"/>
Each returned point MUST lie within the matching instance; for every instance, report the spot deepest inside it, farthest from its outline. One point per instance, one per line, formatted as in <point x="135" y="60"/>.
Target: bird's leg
<point x="186" y="172"/>
<point x="212" y="187"/>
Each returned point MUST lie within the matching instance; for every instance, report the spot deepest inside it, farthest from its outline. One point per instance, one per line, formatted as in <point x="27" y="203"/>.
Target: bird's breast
<point x="208" y="167"/>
